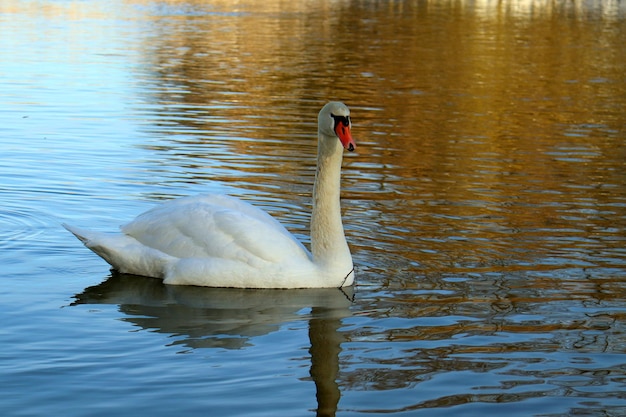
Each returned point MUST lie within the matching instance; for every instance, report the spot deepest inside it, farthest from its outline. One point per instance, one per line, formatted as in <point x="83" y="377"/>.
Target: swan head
<point x="334" y="122"/>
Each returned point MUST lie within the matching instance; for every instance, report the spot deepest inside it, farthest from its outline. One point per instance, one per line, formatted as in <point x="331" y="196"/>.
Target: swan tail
<point x="123" y="252"/>
<point x="80" y="234"/>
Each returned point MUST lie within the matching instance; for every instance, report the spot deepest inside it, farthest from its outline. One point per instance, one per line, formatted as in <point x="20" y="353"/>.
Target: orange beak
<point x="345" y="136"/>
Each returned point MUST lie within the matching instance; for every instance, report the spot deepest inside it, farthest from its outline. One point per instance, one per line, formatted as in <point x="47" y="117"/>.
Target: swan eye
<point x="345" y="120"/>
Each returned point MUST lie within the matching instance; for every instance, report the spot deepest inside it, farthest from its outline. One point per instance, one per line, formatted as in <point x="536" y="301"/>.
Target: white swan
<point x="221" y="241"/>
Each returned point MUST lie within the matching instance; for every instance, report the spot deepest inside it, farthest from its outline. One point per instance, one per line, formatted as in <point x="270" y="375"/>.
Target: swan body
<point x="221" y="241"/>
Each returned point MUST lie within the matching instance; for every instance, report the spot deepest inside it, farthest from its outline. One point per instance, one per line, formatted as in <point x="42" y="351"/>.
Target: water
<point x="485" y="206"/>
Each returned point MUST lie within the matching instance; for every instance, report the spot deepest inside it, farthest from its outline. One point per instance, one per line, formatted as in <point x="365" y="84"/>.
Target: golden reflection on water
<point x="491" y="135"/>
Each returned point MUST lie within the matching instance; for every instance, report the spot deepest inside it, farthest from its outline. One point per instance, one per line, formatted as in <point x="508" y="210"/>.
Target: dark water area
<point x="485" y="205"/>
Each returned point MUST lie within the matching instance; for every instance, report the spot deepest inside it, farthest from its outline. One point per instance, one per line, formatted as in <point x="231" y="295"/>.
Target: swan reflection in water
<point x="229" y="318"/>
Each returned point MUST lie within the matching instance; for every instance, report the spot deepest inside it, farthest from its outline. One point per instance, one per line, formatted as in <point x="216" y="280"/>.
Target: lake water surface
<point x="485" y="205"/>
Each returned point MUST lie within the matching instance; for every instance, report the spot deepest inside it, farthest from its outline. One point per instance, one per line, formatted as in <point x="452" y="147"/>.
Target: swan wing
<point x="215" y="226"/>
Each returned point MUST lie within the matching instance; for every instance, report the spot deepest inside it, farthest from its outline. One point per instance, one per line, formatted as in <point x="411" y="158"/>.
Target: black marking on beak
<point x="345" y="120"/>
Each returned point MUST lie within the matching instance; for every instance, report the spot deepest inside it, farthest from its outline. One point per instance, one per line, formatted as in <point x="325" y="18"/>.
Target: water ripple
<point x="20" y="226"/>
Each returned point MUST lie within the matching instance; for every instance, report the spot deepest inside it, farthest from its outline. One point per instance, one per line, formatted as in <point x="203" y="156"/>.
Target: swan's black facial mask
<point x="345" y="120"/>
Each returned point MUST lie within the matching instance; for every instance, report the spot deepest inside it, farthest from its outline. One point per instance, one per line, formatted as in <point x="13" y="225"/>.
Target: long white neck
<point x="328" y="243"/>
